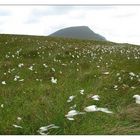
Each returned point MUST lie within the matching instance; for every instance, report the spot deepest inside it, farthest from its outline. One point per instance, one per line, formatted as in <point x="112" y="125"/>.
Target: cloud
<point x="116" y="23"/>
<point x="4" y="13"/>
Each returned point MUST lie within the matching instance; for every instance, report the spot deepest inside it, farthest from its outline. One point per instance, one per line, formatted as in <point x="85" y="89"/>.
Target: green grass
<point x="78" y="64"/>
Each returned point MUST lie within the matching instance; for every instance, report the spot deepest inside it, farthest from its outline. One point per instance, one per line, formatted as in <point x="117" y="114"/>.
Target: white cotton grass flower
<point x="94" y="108"/>
<point x="2" y="105"/>
<point x="115" y="86"/>
<point x="70" y="118"/>
<point x="118" y="74"/>
<point x="20" y="65"/>
<point x="137" y="97"/>
<point x="64" y="64"/>
<point x="30" y="68"/>
<point x="21" y="80"/>
<point x="3" y="83"/>
<point x="71" y="98"/>
<point x="19" y="118"/>
<point x="53" y="69"/>
<point x="73" y="113"/>
<point x="106" y="73"/>
<point x="73" y="107"/>
<point x="133" y="87"/>
<point x="105" y="110"/>
<point x="17" y="126"/>
<point x="131" y="74"/>
<point x="54" y="81"/>
<point x="16" y="77"/>
<point x="45" y="65"/>
<point x="44" y="129"/>
<point x="95" y="97"/>
<point x="82" y="91"/>
<point x="91" y="108"/>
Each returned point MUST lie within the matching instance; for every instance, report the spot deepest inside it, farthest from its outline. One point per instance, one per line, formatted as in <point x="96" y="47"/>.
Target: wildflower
<point x="95" y="97"/>
<point x="106" y="73"/>
<point x="3" y="82"/>
<point x="21" y="80"/>
<point x="20" y="65"/>
<point x="44" y="129"/>
<point x="137" y="97"/>
<point x="19" y="118"/>
<point x="82" y="91"/>
<point x="73" y="113"/>
<point x="91" y="108"/>
<point x="72" y="107"/>
<point x="30" y="68"/>
<point x="104" y="110"/>
<point x="17" y="126"/>
<point x="131" y="74"/>
<point x="45" y="65"/>
<point x="2" y="105"/>
<point x="16" y="77"/>
<point x="70" y="98"/>
<point x="94" y="108"/>
<point x="54" y="81"/>
<point x="53" y="69"/>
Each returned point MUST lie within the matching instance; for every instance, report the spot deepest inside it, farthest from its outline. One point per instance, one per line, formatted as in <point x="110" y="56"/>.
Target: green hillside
<point x="38" y="75"/>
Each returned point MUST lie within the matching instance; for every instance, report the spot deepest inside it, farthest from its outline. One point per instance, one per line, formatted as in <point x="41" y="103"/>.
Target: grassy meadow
<point x="29" y="99"/>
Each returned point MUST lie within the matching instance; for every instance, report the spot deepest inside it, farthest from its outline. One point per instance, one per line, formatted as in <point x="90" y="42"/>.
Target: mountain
<point x="78" y="32"/>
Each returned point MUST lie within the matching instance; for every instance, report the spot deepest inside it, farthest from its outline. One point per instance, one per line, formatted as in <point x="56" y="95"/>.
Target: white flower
<point x="19" y="118"/>
<point x="3" y="82"/>
<point x="106" y="73"/>
<point x="131" y="74"/>
<point x="71" y="119"/>
<point x="64" y="64"/>
<point x="20" y="65"/>
<point x="94" y="108"/>
<point x="2" y="105"/>
<point x="72" y="107"/>
<point x="82" y="91"/>
<point x="73" y="113"/>
<point x="115" y="86"/>
<point x="54" y="81"/>
<point x="16" y="77"/>
<point x="119" y="78"/>
<point x="44" y="129"/>
<point x="21" y="80"/>
<point x="7" y="56"/>
<point x="95" y="97"/>
<point x="91" y="108"/>
<point x="137" y="97"/>
<point x="70" y="98"/>
<point x="53" y="69"/>
<point x="17" y="126"/>
<point x="45" y="65"/>
<point x="118" y="74"/>
<point x="31" y="68"/>
<point x="104" y="110"/>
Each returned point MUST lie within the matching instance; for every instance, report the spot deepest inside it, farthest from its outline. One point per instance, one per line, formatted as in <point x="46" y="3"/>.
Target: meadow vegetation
<point x="38" y="75"/>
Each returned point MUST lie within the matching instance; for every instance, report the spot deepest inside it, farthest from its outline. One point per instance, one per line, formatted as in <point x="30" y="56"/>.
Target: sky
<point x="115" y="23"/>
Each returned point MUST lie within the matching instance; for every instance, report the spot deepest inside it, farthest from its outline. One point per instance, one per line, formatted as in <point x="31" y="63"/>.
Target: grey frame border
<point x="37" y="4"/>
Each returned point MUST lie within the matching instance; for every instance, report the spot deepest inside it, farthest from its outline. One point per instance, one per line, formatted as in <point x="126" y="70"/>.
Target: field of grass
<point x="30" y="100"/>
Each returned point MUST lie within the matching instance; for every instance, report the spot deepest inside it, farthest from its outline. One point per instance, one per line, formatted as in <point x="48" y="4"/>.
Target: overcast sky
<point x="116" y="23"/>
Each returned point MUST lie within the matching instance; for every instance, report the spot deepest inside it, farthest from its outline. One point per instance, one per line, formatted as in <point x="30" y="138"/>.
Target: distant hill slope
<point x="78" y="32"/>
